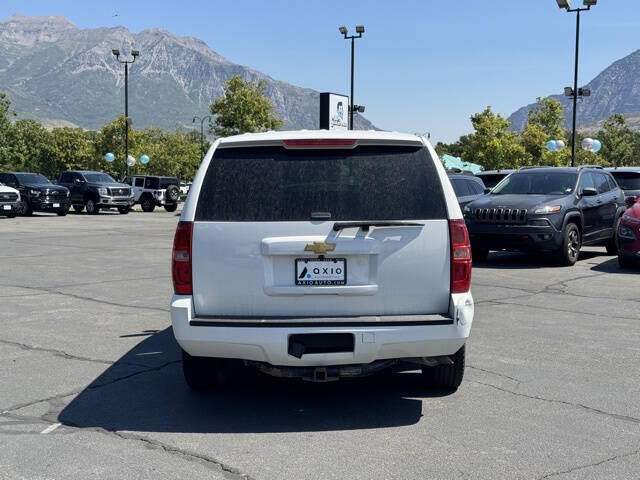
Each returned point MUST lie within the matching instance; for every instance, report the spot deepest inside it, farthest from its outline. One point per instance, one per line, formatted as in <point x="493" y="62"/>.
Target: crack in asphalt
<point x="597" y="411"/>
<point x="210" y="462"/>
<point x="594" y="464"/>
<point x="90" y="387"/>
<point x="57" y="353"/>
<point x="555" y="309"/>
<point x="518" y="381"/>
<point x="89" y="299"/>
<point x="229" y="472"/>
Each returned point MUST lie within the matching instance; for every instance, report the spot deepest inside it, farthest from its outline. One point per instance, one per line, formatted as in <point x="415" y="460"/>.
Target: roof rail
<point x="530" y="167"/>
<point x="591" y="166"/>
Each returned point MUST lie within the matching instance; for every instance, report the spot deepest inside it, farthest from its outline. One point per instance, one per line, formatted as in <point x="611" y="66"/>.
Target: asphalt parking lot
<point x="91" y="384"/>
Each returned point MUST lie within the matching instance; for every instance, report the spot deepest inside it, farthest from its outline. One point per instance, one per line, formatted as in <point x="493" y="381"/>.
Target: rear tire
<point x="92" y="208"/>
<point x="124" y="210"/>
<point x="200" y="373"/>
<point x="571" y="244"/>
<point x="447" y="376"/>
<point x="612" y="244"/>
<point x="78" y="208"/>
<point x="479" y="254"/>
<point x="172" y="207"/>
<point x="63" y="212"/>
<point x="11" y="215"/>
<point x="148" y="204"/>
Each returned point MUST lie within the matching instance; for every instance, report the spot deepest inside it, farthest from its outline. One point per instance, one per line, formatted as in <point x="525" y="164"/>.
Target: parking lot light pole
<point x="359" y="30"/>
<point x="202" y="131"/>
<point x="566" y="4"/>
<point x="134" y="54"/>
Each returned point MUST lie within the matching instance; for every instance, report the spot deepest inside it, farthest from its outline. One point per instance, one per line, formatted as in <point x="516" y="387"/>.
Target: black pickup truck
<point x="37" y="193"/>
<point x="95" y="191"/>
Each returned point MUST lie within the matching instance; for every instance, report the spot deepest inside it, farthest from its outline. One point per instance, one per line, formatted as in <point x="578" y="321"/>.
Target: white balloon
<point x="587" y="144"/>
<point x="131" y="161"/>
<point x="559" y="145"/>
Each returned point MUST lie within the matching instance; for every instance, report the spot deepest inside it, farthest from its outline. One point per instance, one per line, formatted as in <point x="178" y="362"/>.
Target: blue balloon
<point x="144" y="159"/>
<point x="552" y="146"/>
<point x="109" y="157"/>
<point x="596" y="146"/>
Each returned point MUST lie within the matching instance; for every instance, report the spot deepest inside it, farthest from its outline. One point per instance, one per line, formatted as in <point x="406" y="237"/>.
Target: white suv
<point x="320" y="255"/>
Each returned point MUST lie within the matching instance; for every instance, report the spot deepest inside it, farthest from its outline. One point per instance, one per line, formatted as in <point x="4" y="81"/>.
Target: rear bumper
<point x="376" y="338"/>
<point x="515" y="237"/>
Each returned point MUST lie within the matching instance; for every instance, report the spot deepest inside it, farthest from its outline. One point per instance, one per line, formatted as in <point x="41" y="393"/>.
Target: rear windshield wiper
<point x="380" y="223"/>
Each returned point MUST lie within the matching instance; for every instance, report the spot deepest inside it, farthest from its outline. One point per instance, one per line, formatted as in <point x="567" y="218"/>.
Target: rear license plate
<point x="56" y="205"/>
<point x="6" y="207"/>
<point x="325" y="271"/>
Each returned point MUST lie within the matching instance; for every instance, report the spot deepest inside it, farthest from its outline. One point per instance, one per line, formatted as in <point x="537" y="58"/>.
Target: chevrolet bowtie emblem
<point x="320" y="248"/>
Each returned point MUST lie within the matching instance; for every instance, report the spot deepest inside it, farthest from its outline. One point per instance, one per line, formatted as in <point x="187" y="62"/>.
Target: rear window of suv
<point x="268" y="184"/>
<point x="627" y="180"/>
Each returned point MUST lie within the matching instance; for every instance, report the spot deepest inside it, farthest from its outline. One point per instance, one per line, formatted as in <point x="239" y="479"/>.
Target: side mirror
<point x="589" y="192"/>
<point x="630" y="201"/>
<point x="78" y="181"/>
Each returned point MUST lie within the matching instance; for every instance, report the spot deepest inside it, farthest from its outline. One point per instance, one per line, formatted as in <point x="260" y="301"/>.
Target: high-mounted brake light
<point x="321" y="143"/>
<point x="460" y="256"/>
<point x="181" y="259"/>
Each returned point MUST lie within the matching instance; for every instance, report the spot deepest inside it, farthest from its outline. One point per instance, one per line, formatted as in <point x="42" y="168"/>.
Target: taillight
<point x="460" y="256"/>
<point x="181" y="259"/>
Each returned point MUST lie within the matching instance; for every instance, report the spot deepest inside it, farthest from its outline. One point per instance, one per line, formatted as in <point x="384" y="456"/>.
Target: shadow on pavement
<point x="518" y="260"/>
<point x="155" y="398"/>
<point x="612" y="266"/>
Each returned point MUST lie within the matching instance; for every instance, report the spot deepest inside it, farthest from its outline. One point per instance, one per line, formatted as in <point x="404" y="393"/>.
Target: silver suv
<point x="321" y="255"/>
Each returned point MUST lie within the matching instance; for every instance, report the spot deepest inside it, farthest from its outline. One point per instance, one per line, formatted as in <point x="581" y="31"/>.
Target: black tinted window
<point x="628" y="180"/>
<point x="612" y="183"/>
<point x="476" y="188"/>
<point x="537" y="183"/>
<point x="460" y="187"/>
<point x="32" y="178"/>
<point x="586" y="181"/>
<point x="276" y="184"/>
<point x="66" y="177"/>
<point x="98" y="178"/>
<point x="601" y="182"/>
<point x="491" y="181"/>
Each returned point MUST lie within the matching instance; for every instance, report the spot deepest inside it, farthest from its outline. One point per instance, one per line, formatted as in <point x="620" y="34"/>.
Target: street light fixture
<point x="127" y="120"/>
<point x="359" y="30"/>
<point x="575" y="92"/>
<point x="202" y="131"/>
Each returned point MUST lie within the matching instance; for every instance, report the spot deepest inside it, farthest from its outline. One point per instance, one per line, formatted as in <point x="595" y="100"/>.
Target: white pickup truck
<point x="9" y="200"/>
<point x="321" y="255"/>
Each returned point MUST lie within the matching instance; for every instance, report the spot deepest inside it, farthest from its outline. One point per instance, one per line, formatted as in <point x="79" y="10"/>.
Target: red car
<point x="629" y="237"/>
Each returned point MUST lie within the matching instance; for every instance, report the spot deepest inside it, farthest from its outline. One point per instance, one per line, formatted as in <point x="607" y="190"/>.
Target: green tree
<point x="454" y="149"/>
<point x="243" y="108"/>
<point x="617" y="141"/>
<point x="67" y="149"/>
<point x="545" y="122"/>
<point x="492" y="144"/>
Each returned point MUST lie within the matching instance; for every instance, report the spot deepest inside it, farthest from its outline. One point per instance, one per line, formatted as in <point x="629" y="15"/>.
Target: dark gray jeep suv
<point x="547" y="209"/>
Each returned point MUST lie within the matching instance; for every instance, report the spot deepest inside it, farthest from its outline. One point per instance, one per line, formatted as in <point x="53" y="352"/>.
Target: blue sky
<point x="423" y="65"/>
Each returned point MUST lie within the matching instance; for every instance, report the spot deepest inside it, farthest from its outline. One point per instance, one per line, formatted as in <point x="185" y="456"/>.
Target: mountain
<point x="615" y="90"/>
<point x="62" y="75"/>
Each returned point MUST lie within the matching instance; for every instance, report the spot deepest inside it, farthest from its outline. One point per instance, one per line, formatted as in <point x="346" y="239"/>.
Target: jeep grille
<point x="500" y="215"/>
